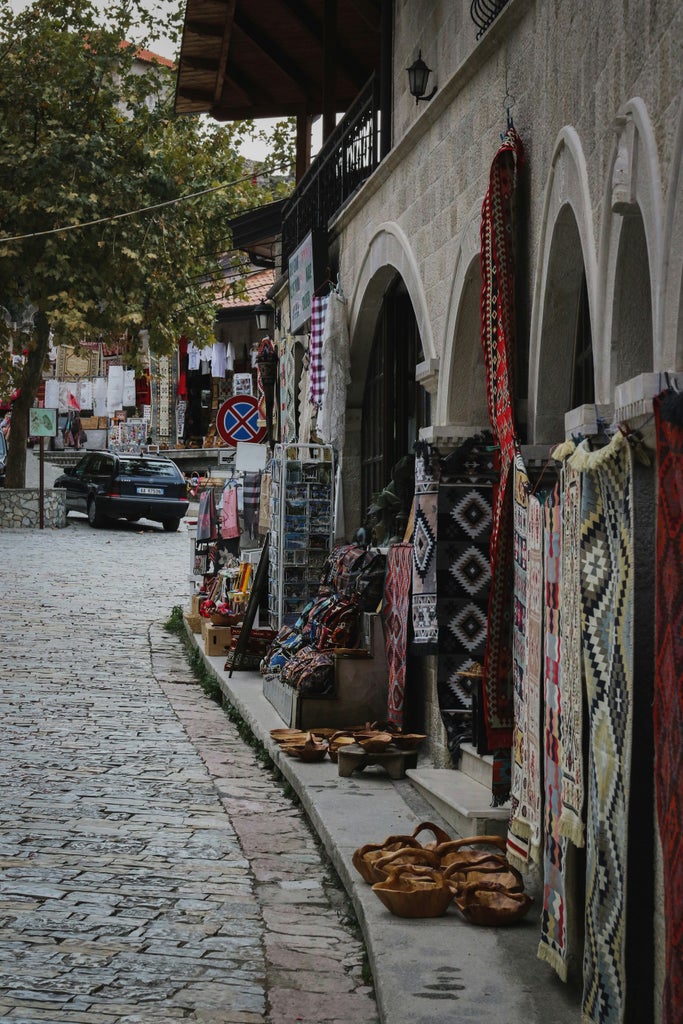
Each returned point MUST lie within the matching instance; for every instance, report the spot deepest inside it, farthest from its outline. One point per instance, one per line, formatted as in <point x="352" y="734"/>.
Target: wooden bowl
<point x="376" y="742"/>
<point x="307" y="751"/>
<point x="412" y="891"/>
<point x="287" y="735"/>
<point x="408" y="740"/>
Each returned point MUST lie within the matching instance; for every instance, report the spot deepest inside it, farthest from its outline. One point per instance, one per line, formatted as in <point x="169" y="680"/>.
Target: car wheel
<point x="171" y="525"/>
<point x="94" y="517"/>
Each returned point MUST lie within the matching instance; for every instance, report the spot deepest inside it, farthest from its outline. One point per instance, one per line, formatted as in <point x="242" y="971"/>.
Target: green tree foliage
<point x="86" y="140"/>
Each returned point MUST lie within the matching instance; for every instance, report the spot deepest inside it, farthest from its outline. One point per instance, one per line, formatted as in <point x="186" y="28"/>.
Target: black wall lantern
<point x="418" y="74"/>
<point x="263" y="312"/>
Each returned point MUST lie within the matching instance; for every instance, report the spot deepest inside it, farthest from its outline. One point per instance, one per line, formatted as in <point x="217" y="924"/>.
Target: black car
<point x="107" y="485"/>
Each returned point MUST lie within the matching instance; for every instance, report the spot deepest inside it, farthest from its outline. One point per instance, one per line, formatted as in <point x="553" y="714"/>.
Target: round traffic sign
<point x="238" y="420"/>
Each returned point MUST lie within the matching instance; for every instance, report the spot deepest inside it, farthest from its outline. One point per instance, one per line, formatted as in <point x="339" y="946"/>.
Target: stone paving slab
<point x="135" y="822"/>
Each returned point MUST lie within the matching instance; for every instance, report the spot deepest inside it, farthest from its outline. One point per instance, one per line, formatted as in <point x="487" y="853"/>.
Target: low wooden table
<point x="353" y="758"/>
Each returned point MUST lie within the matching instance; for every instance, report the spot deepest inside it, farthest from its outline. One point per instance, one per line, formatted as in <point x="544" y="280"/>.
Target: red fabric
<point x="668" y="702"/>
<point x="182" y="367"/>
<point x="395" y="608"/>
<point x="497" y="338"/>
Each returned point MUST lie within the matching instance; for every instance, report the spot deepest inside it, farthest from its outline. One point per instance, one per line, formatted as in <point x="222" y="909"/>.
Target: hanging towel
<point x="336" y="362"/>
<point x="230" y="526"/>
<point x="317" y="374"/>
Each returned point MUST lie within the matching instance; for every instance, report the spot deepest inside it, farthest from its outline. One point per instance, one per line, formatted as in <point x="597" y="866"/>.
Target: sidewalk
<point x="426" y="971"/>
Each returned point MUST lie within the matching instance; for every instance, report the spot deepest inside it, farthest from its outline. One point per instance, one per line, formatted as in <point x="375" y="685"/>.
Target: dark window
<point x="394" y="406"/>
<point x="583" y="384"/>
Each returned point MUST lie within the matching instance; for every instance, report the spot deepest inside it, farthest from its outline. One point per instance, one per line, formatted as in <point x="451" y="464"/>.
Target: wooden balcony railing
<point x="347" y="158"/>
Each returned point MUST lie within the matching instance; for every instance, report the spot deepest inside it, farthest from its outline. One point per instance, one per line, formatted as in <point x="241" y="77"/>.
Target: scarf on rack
<point x="497" y="337"/>
<point x="668" y="702"/>
<point x="607" y="629"/>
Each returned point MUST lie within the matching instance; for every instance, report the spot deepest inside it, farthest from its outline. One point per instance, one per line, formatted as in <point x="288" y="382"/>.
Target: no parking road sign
<point x="238" y="420"/>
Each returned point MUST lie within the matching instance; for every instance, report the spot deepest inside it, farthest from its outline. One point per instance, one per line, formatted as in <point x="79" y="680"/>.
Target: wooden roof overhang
<point x="243" y="59"/>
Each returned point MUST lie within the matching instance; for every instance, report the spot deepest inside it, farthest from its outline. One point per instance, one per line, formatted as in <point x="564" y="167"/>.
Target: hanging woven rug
<point x="425" y="623"/>
<point x="497" y="338"/>
<point x="463" y="582"/>
<point x="607" y="628"/>
<point x="668" y="703"/>
<point x="395" y="613"/>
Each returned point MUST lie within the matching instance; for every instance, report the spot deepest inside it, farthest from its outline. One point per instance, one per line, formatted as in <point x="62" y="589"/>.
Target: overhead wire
<point x="142" y="209"/>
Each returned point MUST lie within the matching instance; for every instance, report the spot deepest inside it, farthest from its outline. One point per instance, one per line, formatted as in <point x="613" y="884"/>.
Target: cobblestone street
<point x="152" y="868"/>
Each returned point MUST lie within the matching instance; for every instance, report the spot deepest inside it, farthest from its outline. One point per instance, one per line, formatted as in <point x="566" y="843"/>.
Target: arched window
<point x="394" y="406"/>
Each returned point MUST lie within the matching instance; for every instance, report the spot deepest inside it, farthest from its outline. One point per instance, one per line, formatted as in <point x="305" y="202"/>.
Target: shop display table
<point x="395" y="762"/>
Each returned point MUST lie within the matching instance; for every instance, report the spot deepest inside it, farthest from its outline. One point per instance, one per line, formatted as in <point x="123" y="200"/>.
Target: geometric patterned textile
<point x="553" y="943"/>
<point x="524" y="835"/>
<point x="518" y="846"/>
<point x="395" y="609"/>
<point x="425" y="623"/>
<point x="668" y="701"/>
<point x="465" y="499"/>
<point x="497" y="338"/>
<point x="316" y="379"/>
<point x="571" y="724"/>
<point x="607" y="629"/>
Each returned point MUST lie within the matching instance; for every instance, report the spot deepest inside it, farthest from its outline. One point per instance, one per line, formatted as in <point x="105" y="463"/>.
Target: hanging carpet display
<point x="336" y="372"/>
<point x="571" y="751"/>
<point x="668" y="703"/>
<point x="607" y="629"/>
<point x="425" y="507"/>
<point x="465" y="499"/>
<point x="395" y="609"/>
<point x="553" y="943"/>
<point x="524" y="834"/>
<point x="497" y="337"/>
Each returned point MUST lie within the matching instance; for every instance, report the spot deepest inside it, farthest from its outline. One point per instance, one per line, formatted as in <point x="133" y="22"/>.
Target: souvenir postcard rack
<point x="302" y="527"/>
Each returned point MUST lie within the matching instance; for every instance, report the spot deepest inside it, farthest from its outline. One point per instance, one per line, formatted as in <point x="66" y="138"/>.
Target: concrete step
<point x="461" y="801"/>
<point x="478" y="766"/>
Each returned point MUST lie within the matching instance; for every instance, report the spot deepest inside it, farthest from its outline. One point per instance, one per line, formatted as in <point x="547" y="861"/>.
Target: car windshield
<point x="149" y="467"/>
<point x="3" y="445"/>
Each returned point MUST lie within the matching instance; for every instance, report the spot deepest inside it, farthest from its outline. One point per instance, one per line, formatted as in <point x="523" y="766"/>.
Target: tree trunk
<point x="28" y="388"/>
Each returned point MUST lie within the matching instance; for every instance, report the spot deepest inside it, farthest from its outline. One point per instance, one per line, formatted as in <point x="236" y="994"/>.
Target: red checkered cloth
<point x="316" y="379"/>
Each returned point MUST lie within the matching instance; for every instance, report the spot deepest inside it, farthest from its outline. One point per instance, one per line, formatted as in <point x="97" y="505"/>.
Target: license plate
<point x="149" y="490"/>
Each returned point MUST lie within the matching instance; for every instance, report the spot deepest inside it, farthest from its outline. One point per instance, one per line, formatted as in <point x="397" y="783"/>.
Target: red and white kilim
<point x="317" y="372"/>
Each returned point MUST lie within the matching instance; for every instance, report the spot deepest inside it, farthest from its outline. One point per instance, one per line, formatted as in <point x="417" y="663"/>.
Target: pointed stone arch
<point x="389" y="255"/>
<point x="631" y="245"/>
<point x="566" y="253"/>
<point x="461" y="397"/>
<point x="672" y="319"/>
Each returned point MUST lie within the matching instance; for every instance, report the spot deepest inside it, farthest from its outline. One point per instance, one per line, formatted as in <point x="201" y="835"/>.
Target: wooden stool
<point x="353" y="758"/>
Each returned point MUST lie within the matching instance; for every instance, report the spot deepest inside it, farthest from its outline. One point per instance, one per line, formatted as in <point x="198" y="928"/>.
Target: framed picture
<point x="42" y="422"/>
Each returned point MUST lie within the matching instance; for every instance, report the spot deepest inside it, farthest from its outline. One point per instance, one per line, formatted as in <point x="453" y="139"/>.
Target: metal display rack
<point x="302" y="527"/>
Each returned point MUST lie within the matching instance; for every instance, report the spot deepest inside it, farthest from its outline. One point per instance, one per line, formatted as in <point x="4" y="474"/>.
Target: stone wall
<point x="20" y="508"/>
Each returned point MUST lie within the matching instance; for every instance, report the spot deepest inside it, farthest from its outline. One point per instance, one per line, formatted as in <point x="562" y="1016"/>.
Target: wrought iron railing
<point x="485" y="12"/>
<point x="347" y="158"/>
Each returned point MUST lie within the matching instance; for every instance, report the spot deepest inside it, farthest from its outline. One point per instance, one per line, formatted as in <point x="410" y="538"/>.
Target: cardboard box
<point x="216" y="640"/>
<point x="195" y="603"/>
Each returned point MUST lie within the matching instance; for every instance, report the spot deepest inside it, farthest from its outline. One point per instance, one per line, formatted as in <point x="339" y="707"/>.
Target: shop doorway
<point x="394" y="407"/>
